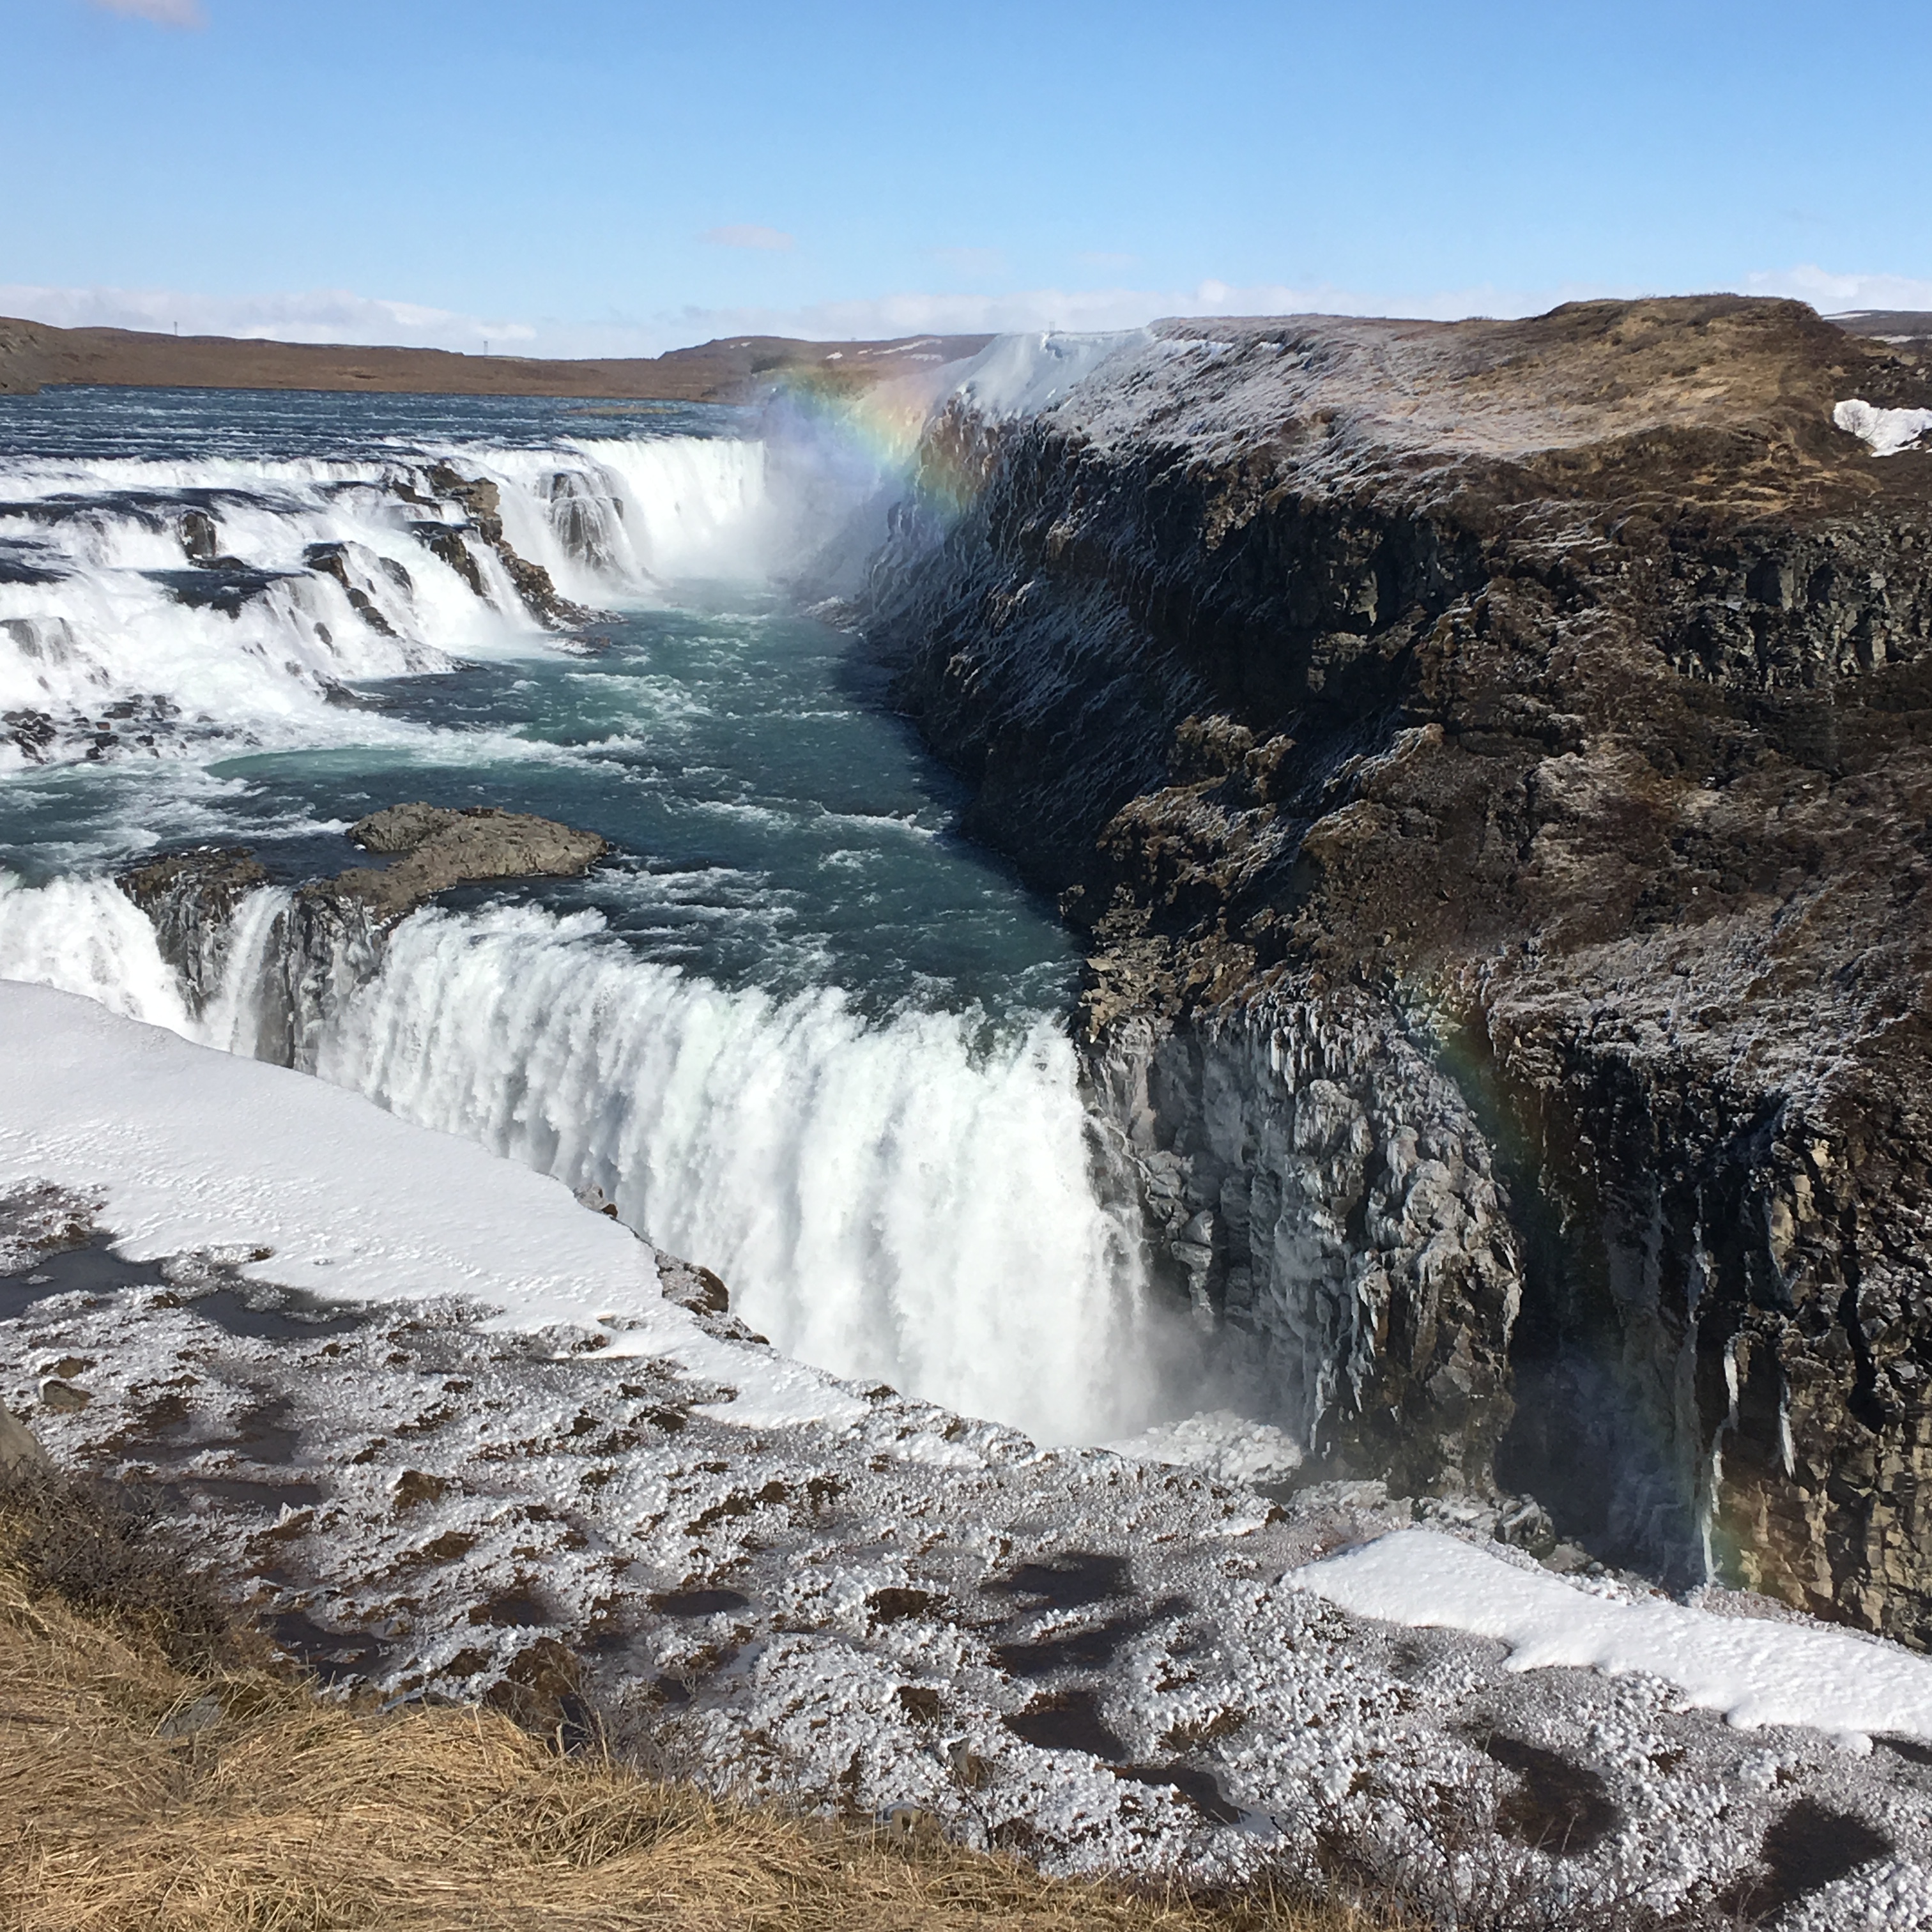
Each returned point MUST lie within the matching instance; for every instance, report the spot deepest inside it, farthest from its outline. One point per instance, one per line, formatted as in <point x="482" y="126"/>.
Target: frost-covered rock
<point x="1525" y="712"/>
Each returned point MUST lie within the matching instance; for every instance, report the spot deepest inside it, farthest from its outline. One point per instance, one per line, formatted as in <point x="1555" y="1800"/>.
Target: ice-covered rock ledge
<point x="454" y="1431"/>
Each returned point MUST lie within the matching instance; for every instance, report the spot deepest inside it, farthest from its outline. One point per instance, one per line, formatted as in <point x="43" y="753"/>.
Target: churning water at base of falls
<point x="795" y="1029"/>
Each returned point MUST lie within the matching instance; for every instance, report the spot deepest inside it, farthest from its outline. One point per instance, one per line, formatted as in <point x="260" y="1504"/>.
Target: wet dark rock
<point x="692" y="1288"/>
<point x="224" y="584"/>
<point x="331" y="559"/>
<point x="198" y="539"/>
<point x="32" y="733"/>
<point x="402" y="828"/>
<point x="437" y="849"/>
<point x="25" y="563"/>
<point x="445" y="541"/>
<point x="1491" y="763"/>
<point x="330" y="934"/>
<point x="191" y="897"/>
<point x="1811" y="1846"/>
<point x="482" y="502"/>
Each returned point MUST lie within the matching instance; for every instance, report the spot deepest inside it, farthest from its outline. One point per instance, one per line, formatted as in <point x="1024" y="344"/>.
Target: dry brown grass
<point x="282" y="1813"/>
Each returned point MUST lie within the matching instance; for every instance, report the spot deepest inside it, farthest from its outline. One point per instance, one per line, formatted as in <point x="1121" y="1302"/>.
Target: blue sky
<point x="585" y="176"/>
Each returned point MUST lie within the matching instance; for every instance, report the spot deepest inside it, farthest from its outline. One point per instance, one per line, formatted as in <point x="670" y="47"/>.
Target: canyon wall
<point x="1490" y="761"/>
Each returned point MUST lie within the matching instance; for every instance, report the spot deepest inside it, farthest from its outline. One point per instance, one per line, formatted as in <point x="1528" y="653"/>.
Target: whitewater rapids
<point x="153" y="605"/>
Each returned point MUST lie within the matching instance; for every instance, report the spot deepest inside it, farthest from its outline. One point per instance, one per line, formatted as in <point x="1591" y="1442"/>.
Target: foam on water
<point x="152" y="604"/>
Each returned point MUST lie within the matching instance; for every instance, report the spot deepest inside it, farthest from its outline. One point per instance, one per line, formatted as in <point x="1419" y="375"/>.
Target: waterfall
<point x="910" y="1200"/>
<point x="149" y="607"/>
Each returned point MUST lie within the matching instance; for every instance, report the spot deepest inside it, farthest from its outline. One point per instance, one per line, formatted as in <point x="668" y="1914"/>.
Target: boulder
<point x="20" y="1451"/>
<point x="437" y="848"/>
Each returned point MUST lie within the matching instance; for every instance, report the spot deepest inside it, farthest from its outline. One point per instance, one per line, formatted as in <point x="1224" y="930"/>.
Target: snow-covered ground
<point x="441" y="1415"/>
<point x="1755" y="1672"/>
<point x="1886" y="431"/>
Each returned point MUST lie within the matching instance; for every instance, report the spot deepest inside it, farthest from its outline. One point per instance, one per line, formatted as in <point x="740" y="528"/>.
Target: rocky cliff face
<point x="1490" y="760"/>
<point x="326" y="937"/>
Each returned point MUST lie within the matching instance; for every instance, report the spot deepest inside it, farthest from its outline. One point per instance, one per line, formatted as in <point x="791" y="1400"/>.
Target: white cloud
<point x="163" y="13"/>
<point x="748" y="234"/>
<point x="1834" y="294"/>
<point x="316" y="315"/>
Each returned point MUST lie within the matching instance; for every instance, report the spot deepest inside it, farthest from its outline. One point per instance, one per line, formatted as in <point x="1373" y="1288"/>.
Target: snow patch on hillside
<point x="1887" y="432"/>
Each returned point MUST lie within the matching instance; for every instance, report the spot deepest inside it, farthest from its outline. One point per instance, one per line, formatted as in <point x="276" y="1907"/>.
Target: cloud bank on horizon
<point x="341" y="315"/>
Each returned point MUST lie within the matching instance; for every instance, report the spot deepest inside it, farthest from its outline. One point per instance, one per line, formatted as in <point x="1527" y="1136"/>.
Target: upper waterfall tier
<point x="182" y="596"/>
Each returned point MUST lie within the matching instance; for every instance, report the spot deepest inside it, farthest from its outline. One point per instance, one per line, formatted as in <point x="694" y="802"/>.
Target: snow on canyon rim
<point x="798" y="1034"/>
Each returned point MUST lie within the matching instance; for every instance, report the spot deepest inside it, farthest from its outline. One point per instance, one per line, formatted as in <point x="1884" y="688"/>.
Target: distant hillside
<point x="1909" y="325"/>
<point x="34" y="355"/>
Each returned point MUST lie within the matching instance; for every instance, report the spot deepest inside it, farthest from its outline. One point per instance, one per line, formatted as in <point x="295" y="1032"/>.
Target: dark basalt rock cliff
<point x="1491" y="761"/>
<point x="328" y="933"/>
<point x="191" y="898"/>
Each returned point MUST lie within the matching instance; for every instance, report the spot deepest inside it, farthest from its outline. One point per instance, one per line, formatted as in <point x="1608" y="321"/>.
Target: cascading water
<point x="148" y="605"/>
<point x="797" y="1032"/>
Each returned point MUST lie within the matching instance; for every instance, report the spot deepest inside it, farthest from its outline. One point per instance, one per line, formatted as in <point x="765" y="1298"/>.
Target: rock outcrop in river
<point x="327" y="934"/>
<point x="1491" y="762"/>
